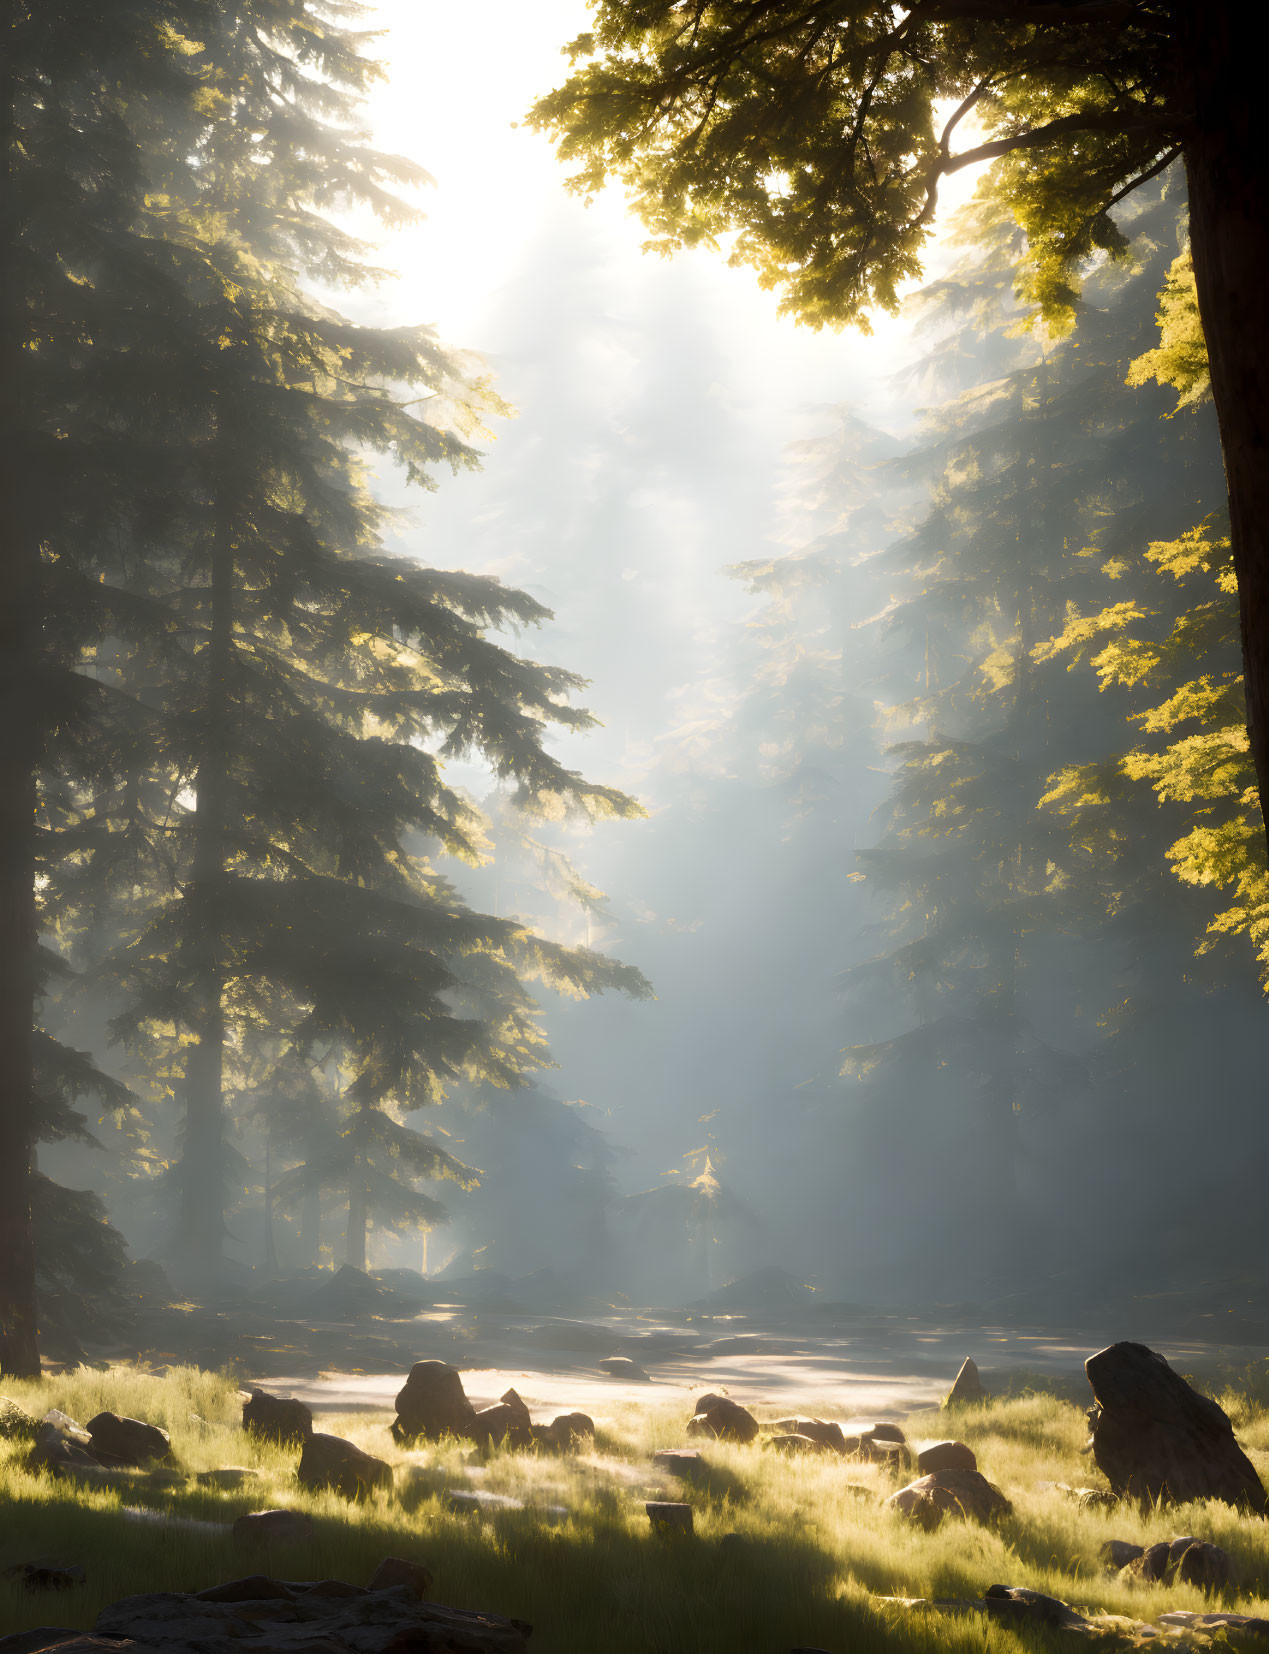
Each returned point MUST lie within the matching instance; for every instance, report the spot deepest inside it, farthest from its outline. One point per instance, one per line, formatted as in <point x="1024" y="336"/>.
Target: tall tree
<point x="308" y="687"/>
<point x="819" y="133"/>
<point x="77" y="449"/>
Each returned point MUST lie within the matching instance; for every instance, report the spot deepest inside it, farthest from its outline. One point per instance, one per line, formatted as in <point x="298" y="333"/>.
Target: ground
<point x="574" y="1553"/>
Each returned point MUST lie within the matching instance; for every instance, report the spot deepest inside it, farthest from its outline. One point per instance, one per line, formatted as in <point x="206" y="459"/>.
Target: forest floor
<point x="565" y="1543"/>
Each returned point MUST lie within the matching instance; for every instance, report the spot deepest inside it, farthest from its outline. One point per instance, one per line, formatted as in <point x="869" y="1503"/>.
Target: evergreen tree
<point x="308" y="687"/>
<point x="78" y="450"/>
<point x="1003" y="974"/>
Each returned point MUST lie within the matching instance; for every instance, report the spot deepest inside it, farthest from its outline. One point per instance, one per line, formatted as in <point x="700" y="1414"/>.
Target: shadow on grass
<point x="599" y="1580"/>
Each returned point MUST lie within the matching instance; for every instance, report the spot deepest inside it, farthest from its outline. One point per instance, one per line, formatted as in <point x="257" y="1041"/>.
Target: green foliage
<point x="816" y="135"/>
<point x="1175" y="646"/>
<point x="1180" y="359"/>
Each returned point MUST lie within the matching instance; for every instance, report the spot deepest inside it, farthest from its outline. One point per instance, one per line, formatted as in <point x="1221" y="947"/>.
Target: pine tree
<point x="306" y="686"/>
<point x="78" y="445"/>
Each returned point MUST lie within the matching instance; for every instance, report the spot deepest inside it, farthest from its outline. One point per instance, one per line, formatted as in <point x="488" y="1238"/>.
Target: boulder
<point x="16" y="1424"/>
<point x="569" y="1433"/>
<point x="280" y="1419"/>
<point x="123" y="1441"/>
<point x="1187" y="1561"/>
<point x="886" y="1432"/>
<point x="965" y="1493"/>
<point x="1021" y="1605"/>
<point x="1154" y="1438"/>
<point x="254" y="1588"/>
<point x="722" y="1420"/>
<point x="879" y="1450"/>
<point x="968" y="1387"/>
<point x="332" y="1462"/>
<point x="274" y="1527"/>
<point x="432" y="1404"/>
<point x="668" y="1518"/>
<point x="1118" y="1553"/>
<point x="329" y="1616"/>
<point x="61" y="1447"/>
<point x="508" y="1422"/>
<point x="621" y="1366"/>
<point x="816" y="1430"/>
<point x="395" y="1573"/>
<point x="945" y="1456"/>
<point x="1186" y="1620"/>
<point x="794" y="1445"/>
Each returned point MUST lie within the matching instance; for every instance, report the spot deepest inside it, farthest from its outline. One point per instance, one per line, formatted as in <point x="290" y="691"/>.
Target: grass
<point x="811" y="1559"/>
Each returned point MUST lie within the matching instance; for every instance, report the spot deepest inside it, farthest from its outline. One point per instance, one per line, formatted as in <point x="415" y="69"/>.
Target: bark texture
<point x="1220" y="94"/>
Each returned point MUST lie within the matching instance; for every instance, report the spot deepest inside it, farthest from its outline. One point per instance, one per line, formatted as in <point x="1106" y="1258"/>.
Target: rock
<point x="968" y="1387"/>
<point x="886" y="1432"/>
<point x="507" y="1422"/>
<point x="432" y="1404"/>
<point x="61" y="1447"/>
<point x="388" y="1621"/>
<point x="795" y="1444"/>
<point x="394" y="1573"/>
<point x="1016" y="1602"/>
<point x="569" y="1433"/>
<point x="280" y="1419"/>
<point x="684" y="1462"/>
<point x="125" y="1441"/>
<point x="330" y="1461"/>
<point x="46" y="1576"/>
<point x="945" y="1456"/>
<point x="723" y="1420"/>
<point x="816" y="1430"/>
<point x="1188" y="1620"/>
<point x="1118" y="1553"/>
<point x="254" y="1588"/>
<point x="669" y="1519"/>
<point x="1155" y="1438"/>
<point x="274" y="1527"/>
<point x="16" y="1424"/>
<point x="965" y="1493"/>
<point x="1187" y="1560"/>
<point x="879" y="1450"/>
<point x="621" y="1366"/>
<point x="227" y="1476"/>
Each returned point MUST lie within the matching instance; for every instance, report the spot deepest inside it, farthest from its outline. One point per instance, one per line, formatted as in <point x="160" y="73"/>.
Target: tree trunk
<point x="203" y="1171"/>
<point x="20" y="578"/>
<point x="355" y="1248"/>
<point x="358" y="1194"/>
<point x="270" y="1247"/>
<point x="1227" y="168"/>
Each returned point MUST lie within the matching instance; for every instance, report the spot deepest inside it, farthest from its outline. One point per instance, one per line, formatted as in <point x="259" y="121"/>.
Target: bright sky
<point x="460" y="79"/>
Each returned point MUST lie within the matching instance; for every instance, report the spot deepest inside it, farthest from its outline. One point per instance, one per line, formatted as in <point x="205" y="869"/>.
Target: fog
<point x="901" y="1065"/>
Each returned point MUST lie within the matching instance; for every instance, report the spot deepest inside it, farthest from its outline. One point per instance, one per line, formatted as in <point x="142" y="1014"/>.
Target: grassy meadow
<point x="580" y="1562"/>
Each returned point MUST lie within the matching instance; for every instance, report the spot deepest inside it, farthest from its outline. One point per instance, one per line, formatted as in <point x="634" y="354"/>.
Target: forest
<point x="634" y="897"/>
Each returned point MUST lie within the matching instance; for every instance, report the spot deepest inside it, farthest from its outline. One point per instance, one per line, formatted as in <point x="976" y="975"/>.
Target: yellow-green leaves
<point x="1181" y="357"/>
